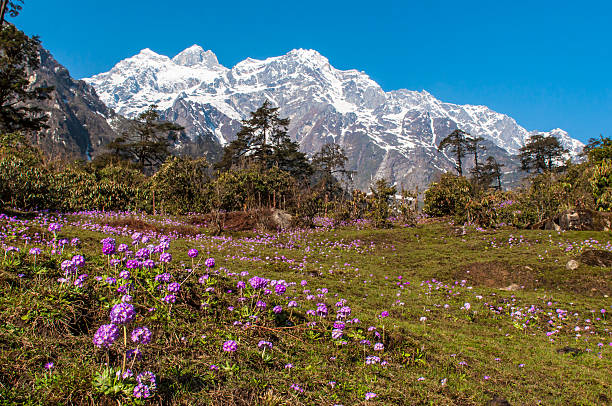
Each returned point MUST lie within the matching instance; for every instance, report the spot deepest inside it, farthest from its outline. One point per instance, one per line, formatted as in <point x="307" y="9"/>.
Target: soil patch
<point x="497" y="274"/>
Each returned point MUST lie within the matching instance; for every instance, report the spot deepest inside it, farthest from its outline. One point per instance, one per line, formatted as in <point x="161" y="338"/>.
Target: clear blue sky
<point x="548" y="64"/>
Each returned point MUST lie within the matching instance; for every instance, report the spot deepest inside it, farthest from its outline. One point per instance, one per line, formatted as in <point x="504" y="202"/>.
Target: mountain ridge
<point x="396" y="132"/>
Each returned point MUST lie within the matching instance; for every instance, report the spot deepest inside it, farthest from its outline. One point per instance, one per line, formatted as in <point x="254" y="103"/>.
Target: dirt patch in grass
<point x="140" y="225"/>
<point x="497" y="274"/>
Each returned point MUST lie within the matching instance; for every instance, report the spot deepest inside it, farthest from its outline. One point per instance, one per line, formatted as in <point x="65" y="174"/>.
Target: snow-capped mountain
<point x="385" y="134"/>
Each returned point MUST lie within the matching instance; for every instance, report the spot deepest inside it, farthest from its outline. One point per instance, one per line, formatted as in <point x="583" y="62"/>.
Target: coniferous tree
<point x="263" y="140"/>
<point x="147" y="141"/>
<point x="18" y="58"/>
<point x="331" y="162"/>
<point x="457" y="142"/>
<point x="541" y="154"/>
<point x="492" y="172"/>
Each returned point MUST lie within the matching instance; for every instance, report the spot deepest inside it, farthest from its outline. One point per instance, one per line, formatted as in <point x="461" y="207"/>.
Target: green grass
<point x="442" y="360"/>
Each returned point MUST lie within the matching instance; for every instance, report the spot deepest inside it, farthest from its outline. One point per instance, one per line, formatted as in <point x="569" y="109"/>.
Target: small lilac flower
<point x="379" y="347"/>
<point x="165" y="257"/>
<point x="106" y="335"/>
<point x="124" y="274"/>
<point x="370" y="395"/>
<point x="108" y="248"/>
<point x="210" y="262"/>
<point x="169" y="298"/>
<point x="132" y="264"/>
<point x="261" y="304"/>
<point x="35" y="251"/>
<point x="122" y="248"/>
<point x="292" y="303"/>
<point x="280" y="289"/>
<point x="193" y="253"/>
<point x="264" y="344"/>
<point x="277" y="309"/>
<point x="174" y="287"/>
<point x="78" y="261"/>
<point x="384" y="314"/>
<point x="230" y="346"/>
<point x="54" y="227"/>
<point x="142" y="335"/>
<point x="122" y="313"/>
<point x="49" y="366"/>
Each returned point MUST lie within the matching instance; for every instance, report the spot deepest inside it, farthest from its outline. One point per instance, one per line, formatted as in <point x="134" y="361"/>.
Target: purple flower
<point x="132" y="264"/>
<point x="143" y="253"/>
<point x="210" y="262"/>
<point x="264" y="344"/>
<point x="280" y="289"/>
<point x="379" y="347"/>
<point x="53" y="227"/>
<point x="202" y="280"/>
<point x="370" y="395"/>
<point x="384" y="314"/>
<point x="261" y="304"/>
<point x="122" y="248"/>
<point x="49" y="366"/>
<point x="193" y="253"/>
<point x="169" y="298"/>
<point x="35" y="251"/>
<point x="142" y="335"/>
<point x="108" y="248"/>
<point x="78" y="260"/>
<point x="241" y="285"/>
<point x="165" y="257"/>
<point x="163" y="277"/>
<point x="292" y="303"/>
<point x="230" y="346"/>
<point x="122" y="313"/>
<point x="277" y="309"/>
<point x="174" y="287"/>
<point x="372" y="359"/>
<point x="124" y="275"/>
<point x="257" y="282"/>
<point x="142" y="391"/>
<point x="336" y="334"/>
<point x="75" y="241"/>
<point x="147" y="378"/>
<point x="106" y="335"/>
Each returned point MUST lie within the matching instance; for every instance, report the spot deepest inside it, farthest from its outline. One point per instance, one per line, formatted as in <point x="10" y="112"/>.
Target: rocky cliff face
<point x="79" y="122"/>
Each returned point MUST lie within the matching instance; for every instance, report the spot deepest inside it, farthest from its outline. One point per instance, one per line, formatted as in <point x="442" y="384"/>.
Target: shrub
<point x="450" y="196"/>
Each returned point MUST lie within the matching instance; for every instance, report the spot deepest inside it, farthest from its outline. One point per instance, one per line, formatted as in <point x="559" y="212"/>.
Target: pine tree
<point x="492" y="171"/>
<point x="263" y="140"/>
<point x="18" y="58"/>
<point x="457" y="142"/>
<point x="541" y="153"/>
<point x="147" y="141"/>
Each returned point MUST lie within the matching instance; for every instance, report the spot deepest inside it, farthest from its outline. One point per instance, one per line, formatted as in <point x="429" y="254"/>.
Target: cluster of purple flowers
<point x="146" y="385"/>
<point x="210" y="262"/>
<point x="257" y="282"/>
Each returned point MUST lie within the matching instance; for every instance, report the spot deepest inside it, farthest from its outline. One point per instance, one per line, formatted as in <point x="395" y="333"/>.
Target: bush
<point x="448" y="197"/>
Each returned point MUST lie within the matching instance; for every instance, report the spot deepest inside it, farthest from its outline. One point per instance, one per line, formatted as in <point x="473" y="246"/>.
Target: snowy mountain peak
<point x="386" y="134"/>
<point x="308" y="56"/>
<point x="196" y="55"/>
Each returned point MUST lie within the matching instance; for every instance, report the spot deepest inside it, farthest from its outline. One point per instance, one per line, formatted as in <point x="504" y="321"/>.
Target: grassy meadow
<point x="336" y="315"/>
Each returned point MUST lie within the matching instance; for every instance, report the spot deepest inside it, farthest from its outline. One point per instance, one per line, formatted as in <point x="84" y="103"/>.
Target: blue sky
<point x="547" y="64"/>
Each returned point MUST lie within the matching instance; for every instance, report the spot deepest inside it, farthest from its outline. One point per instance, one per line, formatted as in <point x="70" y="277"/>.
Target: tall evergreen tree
<point x="331" y="162"/>
<point x="147" y="141"/>
<point x="457" y="142"/>
<point x="541" y="153"/>
<point x="473" y="146"/>
<point x="263" y="139"/>
<point x="18" y="58"/>
<point x="492" y="172"/>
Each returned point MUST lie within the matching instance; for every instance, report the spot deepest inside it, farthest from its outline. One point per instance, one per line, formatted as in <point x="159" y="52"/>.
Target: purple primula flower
<point x="169" y="298"/>
<point x="174" y="287"/>
<point x="35" y="251"/>
<point x="122" y="248"/>
<point x="132" y="264"/>
<point x="280" y="289"/>
<point x="54" y="227"/>
<point x="277" y="309"/>
<point x="264" y="344"/>
<point x="193" y="253"/>
<point x="106" y="335"/>
<point x="108" y="248"/>
<point x="142" y="335"/>
<point x="165" y="257"/>
<point x="210" y="262"/>
<point x="125" y="275"/>
<point x="230" y="346"/>
<point x="122" y="313"/>
<point x="78" y="260"/>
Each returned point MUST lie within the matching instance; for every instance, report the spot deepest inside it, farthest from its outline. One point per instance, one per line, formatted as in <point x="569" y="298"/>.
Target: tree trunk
<point x="4" y="5"/>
